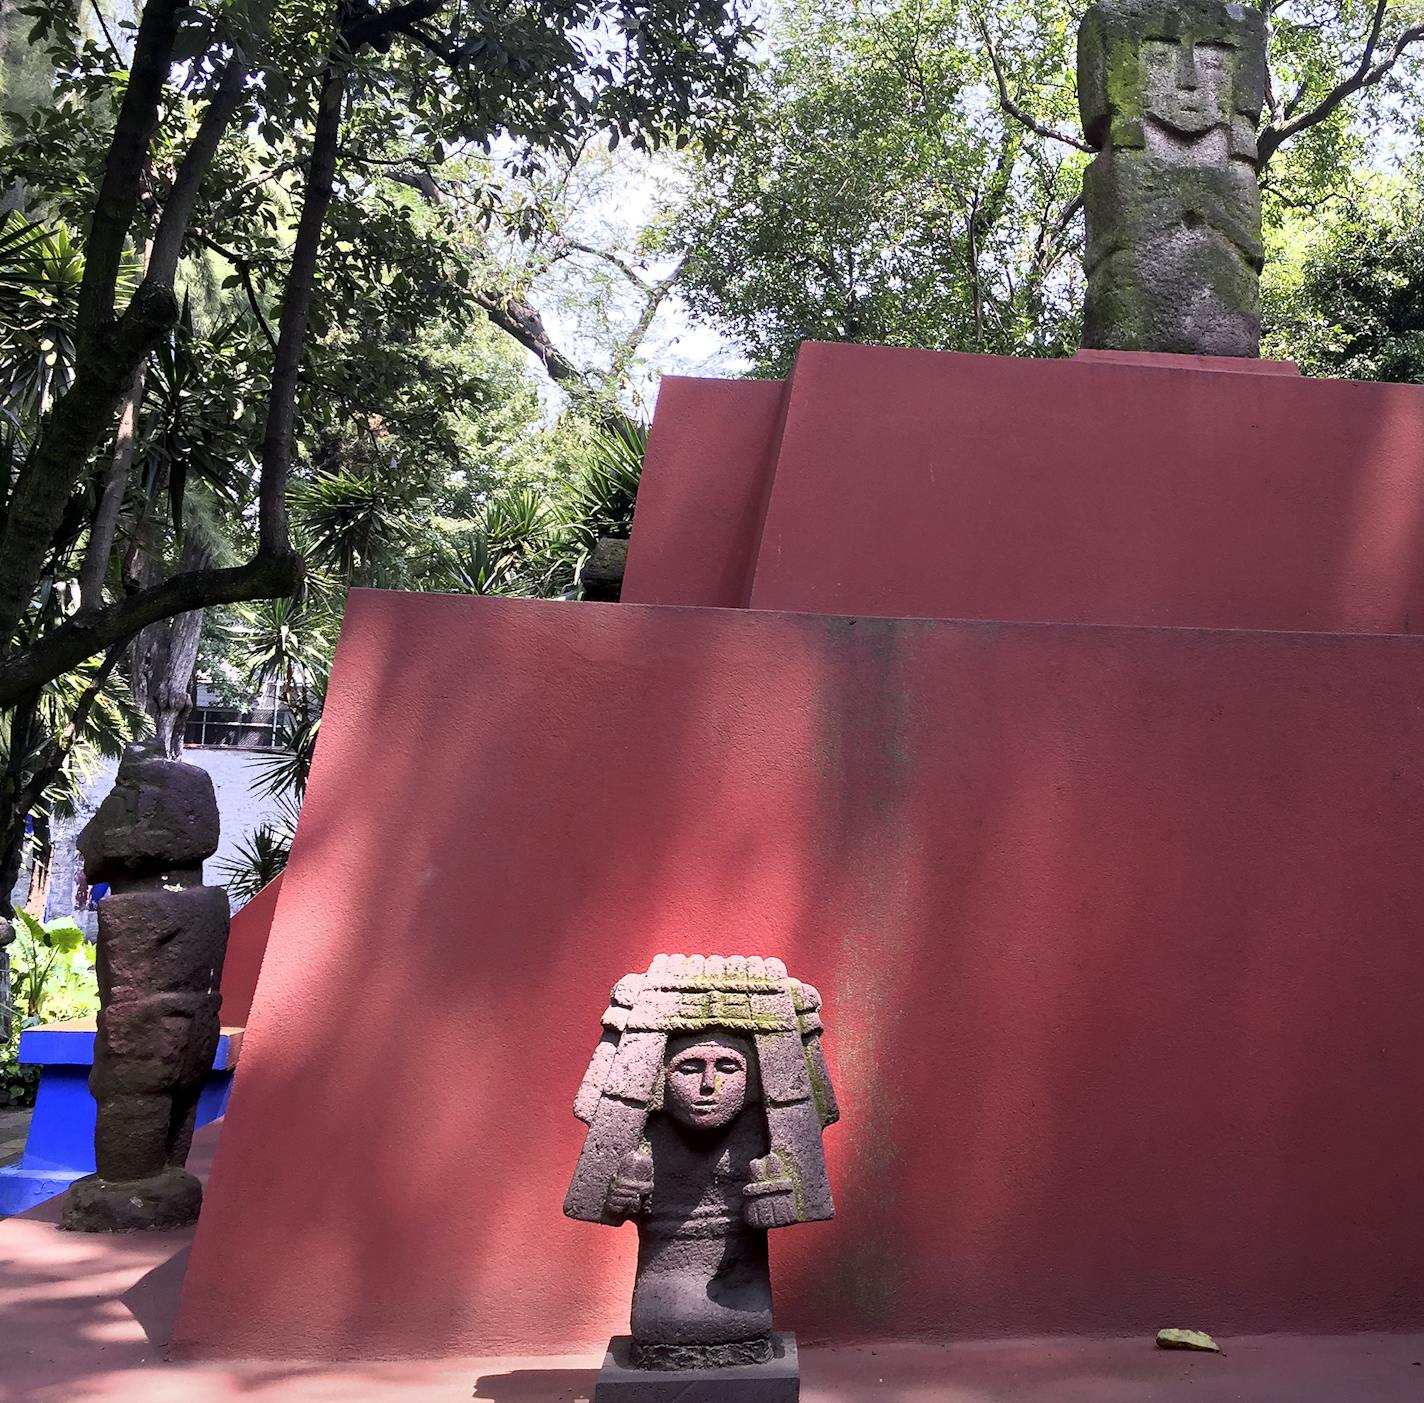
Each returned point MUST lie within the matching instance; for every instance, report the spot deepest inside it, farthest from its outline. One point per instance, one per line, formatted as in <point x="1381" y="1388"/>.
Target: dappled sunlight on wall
<point x="1099" y="917"/>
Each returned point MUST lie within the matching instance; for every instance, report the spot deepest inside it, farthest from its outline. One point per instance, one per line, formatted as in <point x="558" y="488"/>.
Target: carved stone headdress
<point x="694" y="994"/>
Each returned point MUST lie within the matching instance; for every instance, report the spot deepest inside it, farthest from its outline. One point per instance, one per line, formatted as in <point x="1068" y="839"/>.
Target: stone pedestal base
<point x="776" y="1381"/>
<point x="168" y="1200"/>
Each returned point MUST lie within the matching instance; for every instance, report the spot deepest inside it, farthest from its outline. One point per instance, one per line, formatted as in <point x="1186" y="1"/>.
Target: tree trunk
<point x="161" y="663"/>
<point x="13" y="809"/>
<point x="37" y="902"/>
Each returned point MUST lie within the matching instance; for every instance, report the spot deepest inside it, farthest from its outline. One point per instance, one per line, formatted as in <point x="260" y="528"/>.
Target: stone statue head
<point x="703" y="1040"/>
<point x="708" y="1079"/>
<point x="1190" y="66"/>
<point x="1188" y="85"/>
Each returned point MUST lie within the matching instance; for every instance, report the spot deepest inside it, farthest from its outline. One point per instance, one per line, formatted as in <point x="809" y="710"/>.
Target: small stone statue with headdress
<point x="705" y="1102"/>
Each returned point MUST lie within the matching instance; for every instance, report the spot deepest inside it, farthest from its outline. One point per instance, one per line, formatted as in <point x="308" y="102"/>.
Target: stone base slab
<point x="164" y="1202"/>
<point x="776" y="1381"/>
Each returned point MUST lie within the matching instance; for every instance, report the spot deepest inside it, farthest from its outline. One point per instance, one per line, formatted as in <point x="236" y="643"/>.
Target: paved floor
<point x="85" y="1320"/>
<point x="14" y="1125"/>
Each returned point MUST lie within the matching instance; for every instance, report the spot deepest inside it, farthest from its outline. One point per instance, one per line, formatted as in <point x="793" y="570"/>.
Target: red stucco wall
<point x="702" y="498"/>
<point x="246" y="946"/>
<point x="1146" y="490"/>
<point x="1118" y="932"/>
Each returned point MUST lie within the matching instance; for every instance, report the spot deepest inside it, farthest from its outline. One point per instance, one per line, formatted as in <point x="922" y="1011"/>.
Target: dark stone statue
<point x="705" y="1102"/>
<point x="162" y="938"/>
<point x="1170" y="93"/>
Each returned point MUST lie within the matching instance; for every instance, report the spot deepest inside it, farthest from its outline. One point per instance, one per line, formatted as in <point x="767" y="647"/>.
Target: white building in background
<point x="220" y="738"/>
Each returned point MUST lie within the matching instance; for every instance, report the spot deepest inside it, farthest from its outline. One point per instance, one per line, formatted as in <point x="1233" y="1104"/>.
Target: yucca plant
<point x="517" y="547"/>
<point x="262" y="855"/>
<point x="349" y="523"/>
<point x="604" y="489"/>
<point x="286" y="769"/>
<point x="285" y="643"/>
<point x="40" y="273"/>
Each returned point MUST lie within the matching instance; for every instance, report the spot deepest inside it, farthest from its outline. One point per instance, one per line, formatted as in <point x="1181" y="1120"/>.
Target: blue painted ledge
<point x="60" y="1145"/>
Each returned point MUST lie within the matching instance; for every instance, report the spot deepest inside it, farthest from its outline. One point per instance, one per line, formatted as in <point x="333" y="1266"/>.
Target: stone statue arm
<point x="632" y="1188"/>
<point x="769" y="1199"/>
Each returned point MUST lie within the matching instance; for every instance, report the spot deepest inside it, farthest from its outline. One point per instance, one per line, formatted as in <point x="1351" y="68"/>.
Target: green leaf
<point x="63" y="935"/>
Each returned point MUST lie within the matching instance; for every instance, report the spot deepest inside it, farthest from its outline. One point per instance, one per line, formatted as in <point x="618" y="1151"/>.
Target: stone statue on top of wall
<point x="705" y="1102"/>
<point x="1170" y="93"/>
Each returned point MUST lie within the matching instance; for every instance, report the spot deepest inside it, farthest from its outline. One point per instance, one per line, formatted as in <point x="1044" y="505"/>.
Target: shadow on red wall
<point x="1117" y="931"/>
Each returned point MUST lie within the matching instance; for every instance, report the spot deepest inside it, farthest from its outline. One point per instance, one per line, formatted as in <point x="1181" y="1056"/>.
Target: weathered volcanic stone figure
<point x="705" y="1101"/>
<point x="162" y="938"/>
<point x="1170" y="92"/>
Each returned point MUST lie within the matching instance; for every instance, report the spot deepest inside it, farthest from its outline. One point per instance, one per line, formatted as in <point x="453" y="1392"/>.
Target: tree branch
<point x="1365" y="74"/>
<point x="244" y="272"/>
<point x="57" y="748"/>
<point x="522" y="321"/>
<point x="622" y="265"/>
<point x="296" y="313"/>
<point x="378" y="27"/>
<point x="104" y="30"/>
<point x="111" y="501"/>
<point x="221" y="109"/>
<point x="1011" y="107"/>
<point x="82" y="635"/>
<point x="119" y="191"/>
<point x="68" y="435"/>
<point x="628" y="347"/>
<point x="109" y="354"/>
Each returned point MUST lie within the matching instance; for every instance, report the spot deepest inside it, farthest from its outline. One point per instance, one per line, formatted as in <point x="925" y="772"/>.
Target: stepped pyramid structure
<point x="1062" y="721"/>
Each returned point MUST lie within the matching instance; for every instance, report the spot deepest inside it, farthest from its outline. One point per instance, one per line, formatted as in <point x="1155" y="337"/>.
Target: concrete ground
<point x="14" y="1126"/>
<point x="85" y="1320"/>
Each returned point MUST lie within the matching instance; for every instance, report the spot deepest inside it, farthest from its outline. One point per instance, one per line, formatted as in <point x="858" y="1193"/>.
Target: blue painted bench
<point x="60" y="1145"/>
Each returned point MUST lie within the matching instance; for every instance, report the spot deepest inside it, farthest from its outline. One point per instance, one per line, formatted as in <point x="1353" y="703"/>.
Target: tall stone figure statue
<point x="1170" y="93"/>
<point x="162" y="938"/>
<point x="705" y="1101"/>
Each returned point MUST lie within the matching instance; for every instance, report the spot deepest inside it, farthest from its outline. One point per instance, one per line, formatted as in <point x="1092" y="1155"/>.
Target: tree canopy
<point x="911" y="169"/>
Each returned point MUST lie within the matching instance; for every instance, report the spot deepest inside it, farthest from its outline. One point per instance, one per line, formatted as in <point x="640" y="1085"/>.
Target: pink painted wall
<point x="246" y="946"/>
<point x="1145" y="490"/>
<point x="707" y="474"/>
<point x="1118" y="932"/>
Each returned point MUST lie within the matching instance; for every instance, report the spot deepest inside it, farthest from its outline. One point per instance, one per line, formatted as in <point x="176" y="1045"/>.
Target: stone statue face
<point x="1187" y="86"/>
<point x="706" y="1081"/>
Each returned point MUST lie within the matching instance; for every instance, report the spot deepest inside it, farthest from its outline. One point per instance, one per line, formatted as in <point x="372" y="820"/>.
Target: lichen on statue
<point x="705" y="1102"/>
<point x="1170" y="95"/>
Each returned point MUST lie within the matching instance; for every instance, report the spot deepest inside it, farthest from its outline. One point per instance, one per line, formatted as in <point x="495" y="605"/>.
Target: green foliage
<point x="1345" y="296"/>
<point x="282" y="642"/>
<point x="604" y="487"/>
<point x="261" y="856"/>
<point x="415" y="432"/>
<point x="523" y="541"/>
<point x="40" y="271"/>
<point x="18" y="1082"/>
<point x="109" y="723"/>
<point x="881" y="194"/>
<point x="52" y="971"/>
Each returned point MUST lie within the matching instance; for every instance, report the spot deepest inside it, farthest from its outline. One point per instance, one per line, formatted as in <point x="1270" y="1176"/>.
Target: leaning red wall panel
<point x="711" y="451"/>
<point x="246" y="947"/>
<point x="1117" y="930"/>
<point x="1113" y="491"/>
